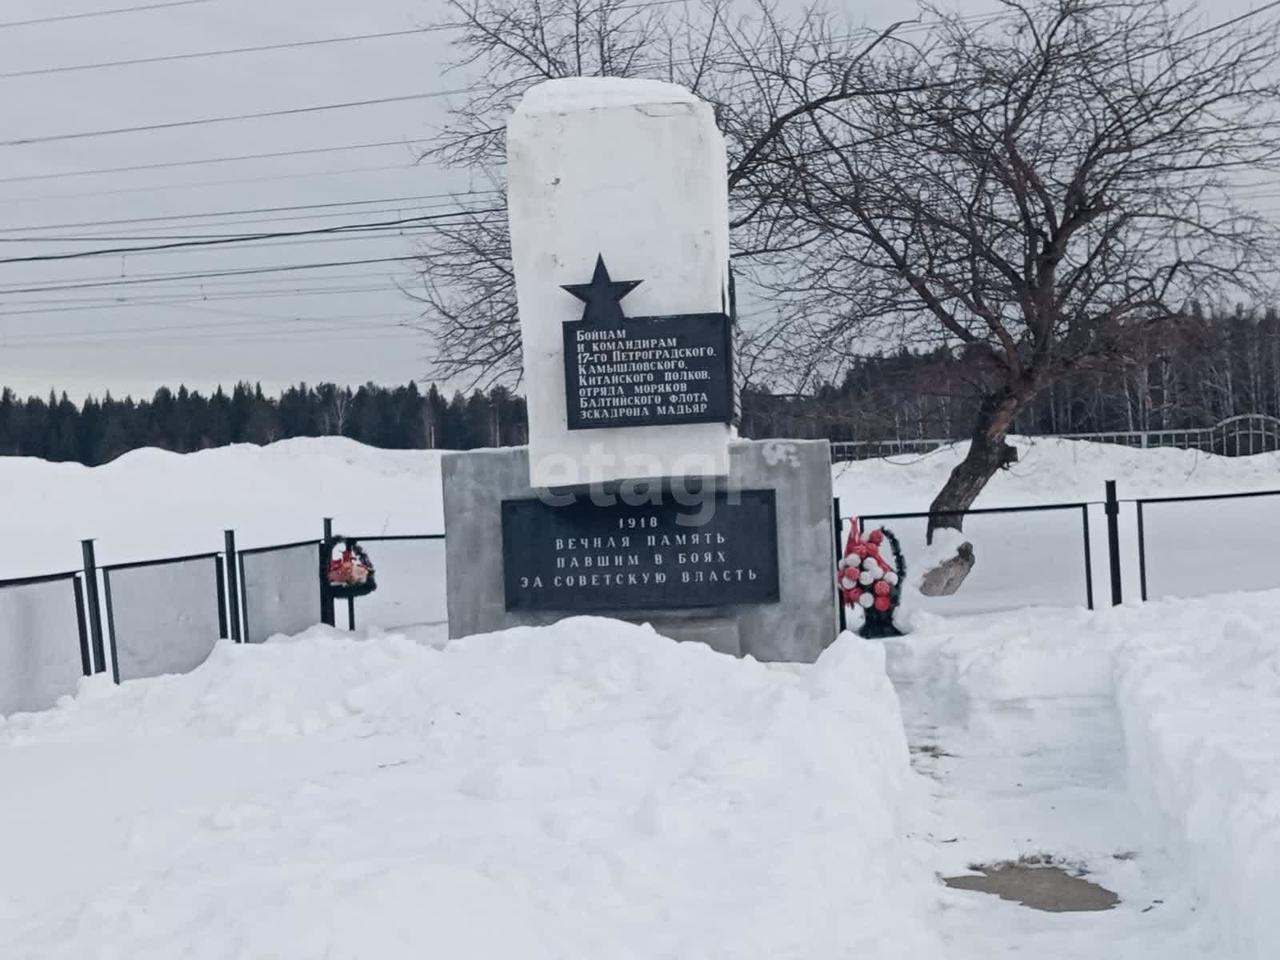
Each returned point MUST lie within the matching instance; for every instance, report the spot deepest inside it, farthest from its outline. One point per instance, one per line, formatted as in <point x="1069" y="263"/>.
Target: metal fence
<point x="164" y="616"/>
<point x="998" y="581"/>
<point x="1181" y="557"/>
<point x="279" y="589"/>
<point x="1175" y="546"/>
<point x="44" y="641"/>
<point x="1241" y="436"/>
<point x="411" y="585"/>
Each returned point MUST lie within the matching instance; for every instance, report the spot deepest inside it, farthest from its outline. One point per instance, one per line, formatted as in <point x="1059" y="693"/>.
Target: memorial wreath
<point x="869" y="581"/>
<point x="350" y="573"/>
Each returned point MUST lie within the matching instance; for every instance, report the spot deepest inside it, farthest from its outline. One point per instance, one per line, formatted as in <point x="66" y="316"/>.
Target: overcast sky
<point x="339" y="323"/>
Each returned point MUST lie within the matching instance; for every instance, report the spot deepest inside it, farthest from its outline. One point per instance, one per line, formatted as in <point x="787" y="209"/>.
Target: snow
<point x="569" y="94"/>
<point x="1138" y="743"/>
<point x="1051" y="470"/>
<point x="151" y="503"/>
<point x="1037" y="559"/>
<point x="607" y="793"/>
<point x="583" y="790"/>
<point x="1200" y="697"/>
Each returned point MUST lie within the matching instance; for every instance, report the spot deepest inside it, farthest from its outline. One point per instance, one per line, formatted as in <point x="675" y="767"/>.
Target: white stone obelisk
<point x="633" y="171"/>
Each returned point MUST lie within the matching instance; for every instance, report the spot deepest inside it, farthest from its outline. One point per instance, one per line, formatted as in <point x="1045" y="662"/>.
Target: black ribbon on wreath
<point x="351" y="573"/>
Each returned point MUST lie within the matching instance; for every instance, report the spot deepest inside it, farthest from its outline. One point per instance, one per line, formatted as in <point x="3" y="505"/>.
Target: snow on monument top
<point x="572" y="94"/>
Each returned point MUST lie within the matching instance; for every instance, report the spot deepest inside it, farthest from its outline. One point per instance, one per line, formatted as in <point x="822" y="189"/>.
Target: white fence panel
<point x="411" y="587"/>
<point x="42" y="646"/>
<point x="163" y="617"/>
<point x="280" y="590"/>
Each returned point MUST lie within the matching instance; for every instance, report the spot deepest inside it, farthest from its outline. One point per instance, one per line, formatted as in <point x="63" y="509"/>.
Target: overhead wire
<point x="161" y="188"/>
<point x="102" y="13"/>
<point x="211" y="214"/>
<point x="202" y="121"/>
<point x="170" y="164"/>
<point x="163" y="278"/>
<point x="207" y="54"/>
<point x="246" y="238"/>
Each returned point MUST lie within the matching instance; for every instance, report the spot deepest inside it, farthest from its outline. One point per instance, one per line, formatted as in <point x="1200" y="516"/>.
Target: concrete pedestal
<point x="796" y="628"/>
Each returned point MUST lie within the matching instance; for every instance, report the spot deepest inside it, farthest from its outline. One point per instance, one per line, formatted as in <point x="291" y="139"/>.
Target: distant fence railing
<point x="1241" y="436"/>
<point x="164" y="616"/>
<point x="1157" y="547"/>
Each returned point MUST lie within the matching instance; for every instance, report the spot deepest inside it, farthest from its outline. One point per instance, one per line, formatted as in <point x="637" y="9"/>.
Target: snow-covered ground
<point x="583" y="790"/>
<point x="1139" y="744"/>
<point x="594" y="790"/>
<point x="1038" y="558"/>
<point x="150" y="503"/>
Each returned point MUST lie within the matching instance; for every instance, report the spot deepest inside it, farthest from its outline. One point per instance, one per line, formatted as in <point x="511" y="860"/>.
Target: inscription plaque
<point x="720" y="551"/>
<point x="647" y="371"/>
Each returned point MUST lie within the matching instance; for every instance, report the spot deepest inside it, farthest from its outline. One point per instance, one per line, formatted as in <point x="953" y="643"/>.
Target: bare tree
<point x="762" y="75"/>
<point x="1050" y="185"/>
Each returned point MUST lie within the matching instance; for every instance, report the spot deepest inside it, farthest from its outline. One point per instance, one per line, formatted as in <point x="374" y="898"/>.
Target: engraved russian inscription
<point x="643" y="371"/>
<point x="584" y="556"/>
<point x="648" y="370"/>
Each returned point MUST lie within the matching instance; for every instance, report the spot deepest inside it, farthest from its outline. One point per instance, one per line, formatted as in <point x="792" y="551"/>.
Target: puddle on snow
<point x="1037" y="885"/>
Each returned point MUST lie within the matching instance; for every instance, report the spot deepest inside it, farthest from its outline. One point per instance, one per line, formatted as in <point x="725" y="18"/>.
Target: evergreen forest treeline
<point x="1193" y="373"/>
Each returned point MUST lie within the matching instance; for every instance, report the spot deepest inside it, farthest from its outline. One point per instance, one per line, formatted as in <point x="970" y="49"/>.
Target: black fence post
<point x="1113" y="542"/>
<point x="1142" y="553"/>
<point x="233" y="584"/>
<point x="91" y="601"/>
<point x="1088" y="558"/>
<point x="837" y="531"/>
<point x="326" y="599"/>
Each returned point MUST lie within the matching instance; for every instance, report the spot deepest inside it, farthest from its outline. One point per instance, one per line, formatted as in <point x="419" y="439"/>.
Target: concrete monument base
<point x="798" y="627"/>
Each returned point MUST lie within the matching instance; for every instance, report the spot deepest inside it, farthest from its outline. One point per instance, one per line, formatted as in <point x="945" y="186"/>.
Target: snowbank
<point x="582" y="790"/>
<point x="1199" y="690"/>
<point x="150" y="503"/>
<point x="1195" y="691"/>
<point x="1050" y="470"/>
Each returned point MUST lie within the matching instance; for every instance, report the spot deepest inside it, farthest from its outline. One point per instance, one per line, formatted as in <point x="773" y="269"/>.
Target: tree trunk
<point x="988" y="452"/>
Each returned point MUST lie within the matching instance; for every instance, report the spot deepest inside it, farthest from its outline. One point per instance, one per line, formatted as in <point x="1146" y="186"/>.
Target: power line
<point x="200" y="162"/>
<point x="176" y="124"/>
<point x="246" y="337"/>
<point x="145" y="232"/>
<point x="204" y="215"/>
<point x="102" y="13"/>
<point x="183" y="302"/>
<point x="205" y="54"/>
<point x="199" y="54"/>
<point x="202" y="184"/>
<point x="255" y="321"/>
<point x="383" y="235"/>
<point x="165" y="278"/>
<point x="264" y="286"/>
<point x="245" y="238"/>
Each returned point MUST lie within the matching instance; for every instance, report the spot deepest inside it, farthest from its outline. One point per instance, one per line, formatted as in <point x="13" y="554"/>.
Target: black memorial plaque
<point x="588" y="557"/>
<point x="647" y="371"/>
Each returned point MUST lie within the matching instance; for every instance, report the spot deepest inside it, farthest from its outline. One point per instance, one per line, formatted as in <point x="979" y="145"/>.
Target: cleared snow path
<point x="1040" y="776"/>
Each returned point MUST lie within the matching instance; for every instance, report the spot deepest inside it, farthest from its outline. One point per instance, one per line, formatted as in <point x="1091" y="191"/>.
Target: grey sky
<point x="347" y="333"/>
